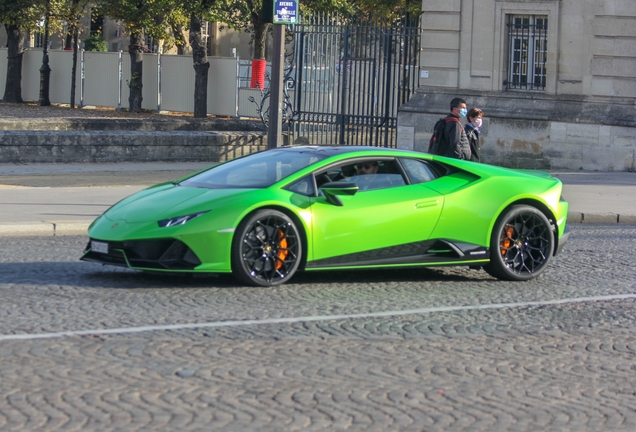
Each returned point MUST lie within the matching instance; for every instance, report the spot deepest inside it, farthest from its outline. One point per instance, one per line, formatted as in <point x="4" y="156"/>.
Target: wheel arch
<point x="542" y="207"/>
<point x="294" y="217"/>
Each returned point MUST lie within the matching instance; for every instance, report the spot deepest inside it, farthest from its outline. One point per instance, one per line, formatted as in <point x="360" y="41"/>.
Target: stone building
<point x="555" y="78"/>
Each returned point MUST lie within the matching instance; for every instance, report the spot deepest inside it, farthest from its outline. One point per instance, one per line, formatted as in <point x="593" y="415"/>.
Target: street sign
<point x="285" y="11"/>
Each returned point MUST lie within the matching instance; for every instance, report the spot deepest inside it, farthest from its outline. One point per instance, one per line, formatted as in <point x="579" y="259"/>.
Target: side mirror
<point x="333" y="189"/>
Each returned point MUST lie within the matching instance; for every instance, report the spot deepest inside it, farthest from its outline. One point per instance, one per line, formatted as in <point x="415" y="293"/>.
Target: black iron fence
<point x="349" y="78"/>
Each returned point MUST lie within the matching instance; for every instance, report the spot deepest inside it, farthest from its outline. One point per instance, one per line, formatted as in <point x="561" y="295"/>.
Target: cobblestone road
<point x="552" y="367"/>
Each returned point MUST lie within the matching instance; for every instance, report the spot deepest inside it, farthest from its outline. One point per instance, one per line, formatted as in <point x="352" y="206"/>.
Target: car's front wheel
<point x="521" y="245"/>
<point x="266" y="250"/>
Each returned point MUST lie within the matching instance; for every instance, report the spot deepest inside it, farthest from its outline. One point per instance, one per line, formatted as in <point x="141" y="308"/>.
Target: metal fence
<point x="102" y="77"/>
<point x="350" y="78"/>
<point x="344" y="84"/>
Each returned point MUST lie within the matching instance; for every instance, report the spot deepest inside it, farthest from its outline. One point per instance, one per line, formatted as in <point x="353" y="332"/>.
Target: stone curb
<point x="62" y="228"/>
<point x="600" y="218"/>
<point x="43" y="229"/>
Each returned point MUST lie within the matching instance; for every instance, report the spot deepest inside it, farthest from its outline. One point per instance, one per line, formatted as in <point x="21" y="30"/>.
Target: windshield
<point x="259" y="170"/>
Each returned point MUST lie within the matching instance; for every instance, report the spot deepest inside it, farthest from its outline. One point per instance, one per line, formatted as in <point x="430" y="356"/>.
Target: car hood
<point x="167" y="201"/>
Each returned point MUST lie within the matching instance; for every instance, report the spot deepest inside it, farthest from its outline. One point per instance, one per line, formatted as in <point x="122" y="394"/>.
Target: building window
<point x="528" y="39"/>
<point x="38" y="40"/>
<point x="205" y="29"/>
<point x="97" y="23"/>
<point x="150" y="44"/>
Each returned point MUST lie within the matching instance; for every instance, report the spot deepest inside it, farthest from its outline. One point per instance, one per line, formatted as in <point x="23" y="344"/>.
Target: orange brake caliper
<point x="282" y="249"/>
<point x="506" y="240"/>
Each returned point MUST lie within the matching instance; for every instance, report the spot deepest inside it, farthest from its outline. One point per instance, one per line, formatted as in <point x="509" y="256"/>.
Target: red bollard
<point x="258" y="73"/>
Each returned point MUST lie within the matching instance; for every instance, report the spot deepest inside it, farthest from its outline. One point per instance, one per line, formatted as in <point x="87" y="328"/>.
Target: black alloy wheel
<point x="266" y="249"/>
<point x="521" y="245"/>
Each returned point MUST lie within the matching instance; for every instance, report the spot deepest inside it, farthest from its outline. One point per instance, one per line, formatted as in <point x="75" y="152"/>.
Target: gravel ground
<point x="12" y="112"/>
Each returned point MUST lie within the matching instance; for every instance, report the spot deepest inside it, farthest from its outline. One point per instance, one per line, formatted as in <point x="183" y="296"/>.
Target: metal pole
<point x="238" y="86"/>
<point x="158" y="82"/>
<point x="45" y="70"/>
<point x="82" y="72"/>
<point x="275" y="128"/>
<point x="343" y="89"/>
<point x="121" y="77"/>
<point x="388" y="85"/>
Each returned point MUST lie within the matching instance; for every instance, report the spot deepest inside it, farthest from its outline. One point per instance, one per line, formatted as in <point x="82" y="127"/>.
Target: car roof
<point x="329" y="150"/>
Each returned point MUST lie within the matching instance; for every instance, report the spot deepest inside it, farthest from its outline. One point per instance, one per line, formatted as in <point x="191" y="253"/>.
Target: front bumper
<point x="159" y="254"/>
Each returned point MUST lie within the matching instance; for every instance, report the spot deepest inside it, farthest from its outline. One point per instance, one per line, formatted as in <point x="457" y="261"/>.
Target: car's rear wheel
<point x="266" y="250"/>
<point x="521" y="245"/>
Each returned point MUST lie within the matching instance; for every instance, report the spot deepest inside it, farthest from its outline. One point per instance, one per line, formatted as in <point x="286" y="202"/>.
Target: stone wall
<point x="536" y="131"/>
<point x="584" y="117"/>
<point x="126" y="146"/>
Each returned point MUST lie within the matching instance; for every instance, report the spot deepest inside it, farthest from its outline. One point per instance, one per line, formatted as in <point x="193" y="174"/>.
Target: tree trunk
<point x="13" y="87"/>
<point x="136" y="51"/>
<point x="74" y="66"/>
<point x="68" y="38"/>
<point x="260" y="36"/>
<point x="45" y="70"/>
<point x="201" y="67"/>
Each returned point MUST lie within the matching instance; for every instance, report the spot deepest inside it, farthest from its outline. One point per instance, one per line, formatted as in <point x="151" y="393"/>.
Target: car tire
<point x="266" y="249"/>
<point x="522" y="244"/>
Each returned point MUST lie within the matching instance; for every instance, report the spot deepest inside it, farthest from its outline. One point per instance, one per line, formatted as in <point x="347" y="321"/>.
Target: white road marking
<point x="217" y="324"/>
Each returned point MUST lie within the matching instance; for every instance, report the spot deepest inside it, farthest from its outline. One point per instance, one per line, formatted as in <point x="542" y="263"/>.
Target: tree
<point x="245" y="15"/>
<point x="18" y="17"/>
<point x="70" y="13"/>
<point x="95" y="42"/>
<point x="201" y="67"/>
<point x="389" y="9"/>
<point x="140" y="18"/>
<point x="178" y="22"/>
<point x="198" y="11"/>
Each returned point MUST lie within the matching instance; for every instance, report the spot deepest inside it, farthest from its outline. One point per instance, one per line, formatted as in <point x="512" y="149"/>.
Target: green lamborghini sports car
<point x="265" y="216"/>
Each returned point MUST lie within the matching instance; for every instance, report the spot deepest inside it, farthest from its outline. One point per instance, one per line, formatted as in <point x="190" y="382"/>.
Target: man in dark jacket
<point x="456" y="144"/>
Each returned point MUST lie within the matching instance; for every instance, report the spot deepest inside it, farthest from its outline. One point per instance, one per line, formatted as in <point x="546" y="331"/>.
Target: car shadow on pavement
<point x="413" y="274"/>
<point x="92" y="275"/>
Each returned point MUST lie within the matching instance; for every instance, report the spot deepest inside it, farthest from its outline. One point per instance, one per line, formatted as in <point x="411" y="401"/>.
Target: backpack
<point x="439" y="141"/>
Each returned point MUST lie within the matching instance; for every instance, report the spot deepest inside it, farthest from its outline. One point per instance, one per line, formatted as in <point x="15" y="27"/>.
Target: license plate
<point x="99" y="247"/>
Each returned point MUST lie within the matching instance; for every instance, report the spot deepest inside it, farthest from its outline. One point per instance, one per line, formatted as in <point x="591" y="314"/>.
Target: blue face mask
<point x="463" y="112"/>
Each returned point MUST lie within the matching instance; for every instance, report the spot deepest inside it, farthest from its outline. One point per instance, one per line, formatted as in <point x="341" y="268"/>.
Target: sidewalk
<point x="63" y="199"/>
<point x="599" y="197"/>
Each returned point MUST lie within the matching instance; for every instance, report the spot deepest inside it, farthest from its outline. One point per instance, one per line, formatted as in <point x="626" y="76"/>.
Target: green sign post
<point x="280" y="13"/>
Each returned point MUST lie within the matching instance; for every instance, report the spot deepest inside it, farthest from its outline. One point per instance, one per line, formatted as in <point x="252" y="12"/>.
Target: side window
<point x="370" y="174"/>
<point x="304" y="186"/>
<point x="417" y="170"/>
<point x="333" y="174"/>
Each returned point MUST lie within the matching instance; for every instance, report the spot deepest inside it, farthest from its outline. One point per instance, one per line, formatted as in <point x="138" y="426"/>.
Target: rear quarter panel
<point x="471" y="209"/>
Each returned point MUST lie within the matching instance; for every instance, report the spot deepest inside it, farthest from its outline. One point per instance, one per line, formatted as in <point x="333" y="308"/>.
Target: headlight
<point x="179" y="220"/>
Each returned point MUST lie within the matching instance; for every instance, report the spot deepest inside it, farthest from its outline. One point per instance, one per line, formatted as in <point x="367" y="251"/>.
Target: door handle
<point x="428" y="203"/>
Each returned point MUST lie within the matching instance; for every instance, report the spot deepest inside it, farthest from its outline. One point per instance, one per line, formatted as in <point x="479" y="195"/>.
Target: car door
<point x="374" y="220"/>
